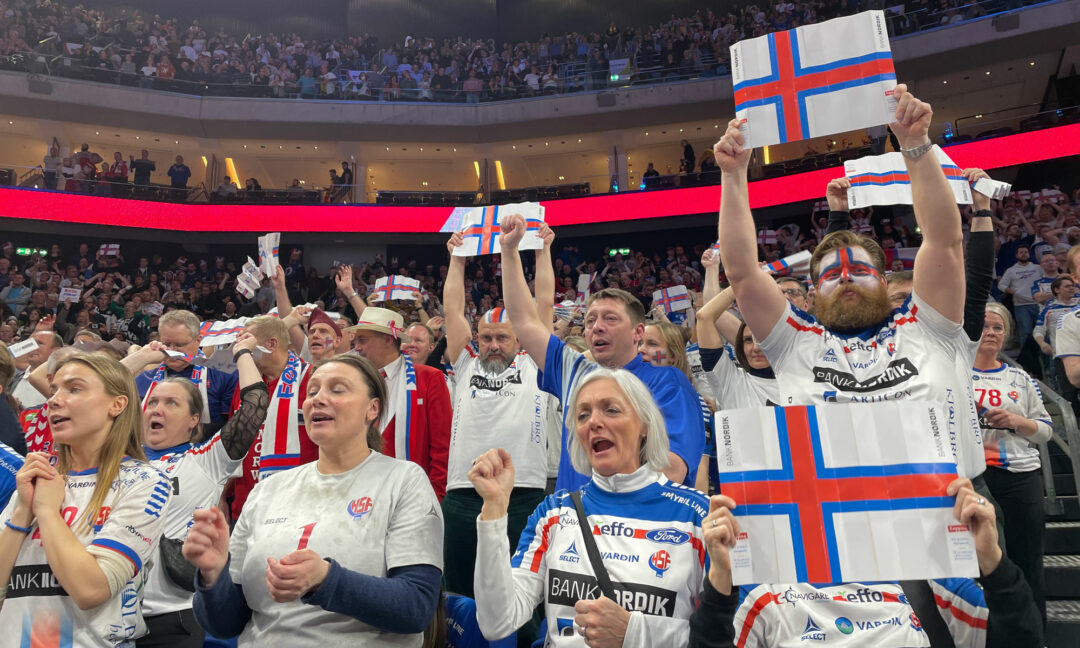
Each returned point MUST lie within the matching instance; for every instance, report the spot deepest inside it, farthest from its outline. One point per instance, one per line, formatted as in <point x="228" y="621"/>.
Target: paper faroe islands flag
<point x="814" y="80"/>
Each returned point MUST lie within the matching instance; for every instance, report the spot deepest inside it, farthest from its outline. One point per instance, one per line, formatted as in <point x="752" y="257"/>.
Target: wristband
<point x="16" y="527"/>
<point x="983" y="213"/>
<point x="236" y="356"/>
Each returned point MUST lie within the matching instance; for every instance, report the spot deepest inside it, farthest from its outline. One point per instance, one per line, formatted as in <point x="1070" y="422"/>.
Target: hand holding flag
<point x="731" y="153"/>
<point x="836" y="194"/>
<point x="912" y="125"/>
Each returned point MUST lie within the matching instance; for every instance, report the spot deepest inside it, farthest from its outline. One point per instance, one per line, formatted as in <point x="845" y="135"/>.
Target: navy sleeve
<point x="221" y="609"/>
<point x="712" y="623"/>
<point x="404" y="602"/>
<point x="550" y="379"/>
<point x="838" y="221"/>
<point x="220" y="392"/>
<point x="709" y="357"/>
<point x="1014" y="621"/>
<point x="142" y="382"/>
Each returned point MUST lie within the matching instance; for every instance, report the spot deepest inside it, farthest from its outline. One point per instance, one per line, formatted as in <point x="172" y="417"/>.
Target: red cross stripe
<point x="667" y="300"/>
<point x="489" y="228"/>
<point x="809" y="493"/>
<point x="788" y="84"/>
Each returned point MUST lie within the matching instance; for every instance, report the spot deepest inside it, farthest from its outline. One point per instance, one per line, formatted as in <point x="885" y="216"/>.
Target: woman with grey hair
<point x="636" y="577"/>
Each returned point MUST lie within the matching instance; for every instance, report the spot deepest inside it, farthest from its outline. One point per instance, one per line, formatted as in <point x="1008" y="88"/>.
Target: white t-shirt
<point x="380" y="515"/>
<point x="910" y="356"/>
<point x="1011" y="389"/>
<point x="733" y="387"/>
<point x="1021" y="278"/>
<point x="508" y="411"/>
<point x="198" y="475"/>
<point x="37" y="610"/>
<point x="1067" y="338"/>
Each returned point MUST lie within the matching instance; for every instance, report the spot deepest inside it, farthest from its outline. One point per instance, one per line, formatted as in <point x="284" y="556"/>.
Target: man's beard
<point x="495" y="363"/>
<point x="872" y="308"/>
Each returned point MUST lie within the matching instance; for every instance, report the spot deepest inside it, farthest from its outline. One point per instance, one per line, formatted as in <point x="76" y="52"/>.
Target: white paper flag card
<point x="884" y="180"/>
<point x="481" y="227"/>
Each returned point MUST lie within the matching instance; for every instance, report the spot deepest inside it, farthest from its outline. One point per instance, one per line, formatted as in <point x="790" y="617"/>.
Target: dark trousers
<point x="461" y="507"/>
<point x="172" y="630"/>
<point x="1021" y="498"/>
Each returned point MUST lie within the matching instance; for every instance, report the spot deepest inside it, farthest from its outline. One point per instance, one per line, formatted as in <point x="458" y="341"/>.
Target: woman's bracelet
<point x="16" y="527"/>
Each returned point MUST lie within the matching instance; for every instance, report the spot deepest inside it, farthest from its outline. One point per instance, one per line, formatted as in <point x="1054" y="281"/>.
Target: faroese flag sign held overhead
<point x="814" y="80"/>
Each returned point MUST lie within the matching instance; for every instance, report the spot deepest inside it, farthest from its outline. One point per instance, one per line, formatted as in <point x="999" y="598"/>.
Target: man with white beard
<point x="497" y="404"/>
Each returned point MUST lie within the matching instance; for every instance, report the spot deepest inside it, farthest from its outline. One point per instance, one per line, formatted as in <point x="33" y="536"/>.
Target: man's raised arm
<point x="760" y="299"/>
<point x="939" y="264"/>
<point x="458" y="330"/>
<point x="544" y="280"/>
<point x="530" y="331"/>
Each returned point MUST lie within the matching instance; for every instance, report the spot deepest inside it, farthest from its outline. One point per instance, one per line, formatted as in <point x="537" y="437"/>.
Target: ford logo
<point x="667" y="536"/>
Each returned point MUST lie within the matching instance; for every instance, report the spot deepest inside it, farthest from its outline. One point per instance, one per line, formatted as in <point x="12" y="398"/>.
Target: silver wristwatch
<point x="917" y="152"/>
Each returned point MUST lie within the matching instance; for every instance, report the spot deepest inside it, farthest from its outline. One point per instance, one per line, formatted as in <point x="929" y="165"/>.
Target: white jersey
<point x="38" y="612"/>
<point x="735" y="388"/>
<point x="855" y="615"/>
<point x="648" y="532"/>
<point x="910" y="356"/>
<point x="198" y="475"/>
<point x="508" y="410"/>
<point x="378" y="516"/>
<point x="1067" y="340"/>
<point x="1013" y="390"/>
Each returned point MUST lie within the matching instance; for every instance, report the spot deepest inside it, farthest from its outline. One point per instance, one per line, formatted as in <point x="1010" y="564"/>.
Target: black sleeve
<point x="709" y="357"/>
<point x="1014" y="621"/>
<point x="243" y="426"/>
<point x="838" y="220"/>
<point x="435" y="359"/>
<point x="712" y="623"/>
<point x="979" y="277"/>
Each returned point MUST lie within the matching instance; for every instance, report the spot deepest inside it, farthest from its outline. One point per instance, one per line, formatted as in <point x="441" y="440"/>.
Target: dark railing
<point x="571" y="75"/>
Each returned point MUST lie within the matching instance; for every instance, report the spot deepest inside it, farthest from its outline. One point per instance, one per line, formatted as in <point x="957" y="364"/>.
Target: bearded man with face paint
<point x="859" y="348"/>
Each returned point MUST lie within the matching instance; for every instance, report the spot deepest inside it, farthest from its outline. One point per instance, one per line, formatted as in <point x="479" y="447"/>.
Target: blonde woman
<point x="78" y="535"/>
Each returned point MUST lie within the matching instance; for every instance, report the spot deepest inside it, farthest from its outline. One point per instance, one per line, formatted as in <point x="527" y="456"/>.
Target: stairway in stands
<point x="1062" y="556"/>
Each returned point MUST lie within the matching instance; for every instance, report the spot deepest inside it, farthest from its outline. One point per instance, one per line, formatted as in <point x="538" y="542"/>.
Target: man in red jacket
<point x="416" y="419"/>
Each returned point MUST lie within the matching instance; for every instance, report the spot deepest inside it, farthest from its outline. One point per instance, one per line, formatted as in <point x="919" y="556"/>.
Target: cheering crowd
<point x="159" y="52"/>
<point x="350" y="469"/>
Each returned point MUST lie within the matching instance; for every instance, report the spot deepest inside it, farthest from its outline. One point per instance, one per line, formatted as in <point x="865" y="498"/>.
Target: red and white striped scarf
<point x="280" y="432"/>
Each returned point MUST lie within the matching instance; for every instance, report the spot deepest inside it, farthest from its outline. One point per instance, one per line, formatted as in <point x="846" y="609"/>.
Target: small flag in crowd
<point x="766" y="237"/>
<point x="843" y="493"/>
<point x="994" y="189"/>
<point x="268" y="253"/>
<point x="584" y="281"/>
<point x="819" y="206"/>
<point x="70" y="294"/>
<point x="672" y="299"/>
<point x="481" y="228"/>
<point x="155" y="308"/>
<point x="1052" y="195"/>
<point x="795" y="264"/>
<point x="815" y="80"/>
<point x="884" y="180"/>
<point x="905" y="254"/>
<point x="1021" y="195"/>
<point x="109" y="249"/>
<point x="394" y="288"/>
<point x="221" y="333"/>
<point x="247" y="284"/>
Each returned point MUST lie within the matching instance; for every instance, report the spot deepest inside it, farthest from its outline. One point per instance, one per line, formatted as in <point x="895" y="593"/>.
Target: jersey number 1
<point x="304" y="537"/>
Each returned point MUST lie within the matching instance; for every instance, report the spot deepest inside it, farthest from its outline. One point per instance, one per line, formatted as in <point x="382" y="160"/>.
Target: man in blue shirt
<point x="179" y="331"/>
<point x="614" y="326"/>
<point x="179" y="173"/>
<point x="10" y="462"/>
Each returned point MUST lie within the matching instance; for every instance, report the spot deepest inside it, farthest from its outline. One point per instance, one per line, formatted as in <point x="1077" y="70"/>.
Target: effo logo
<point x="358" y="508"/>
<point x="667" y="536"/>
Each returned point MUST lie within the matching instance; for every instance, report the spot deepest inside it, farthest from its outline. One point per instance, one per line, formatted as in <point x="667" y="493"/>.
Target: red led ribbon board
<point x="29" y="204"/>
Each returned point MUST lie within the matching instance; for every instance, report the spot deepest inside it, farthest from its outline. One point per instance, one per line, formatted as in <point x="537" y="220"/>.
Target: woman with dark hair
<point x="738" y="371"/>
<point x="347" y="548"/>
<point x="172" y="420"/>
<point x="85" y="521"/>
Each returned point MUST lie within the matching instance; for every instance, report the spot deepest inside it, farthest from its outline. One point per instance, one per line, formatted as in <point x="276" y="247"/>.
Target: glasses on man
<point x="176" y="346"/>
<point x="792" y="292"/>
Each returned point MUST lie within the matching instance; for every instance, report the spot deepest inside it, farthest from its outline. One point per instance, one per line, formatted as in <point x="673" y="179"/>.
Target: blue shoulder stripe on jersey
<point x="121" y="549"/>
<point x="548" y="507"/>
<point x="965" y="588"/>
